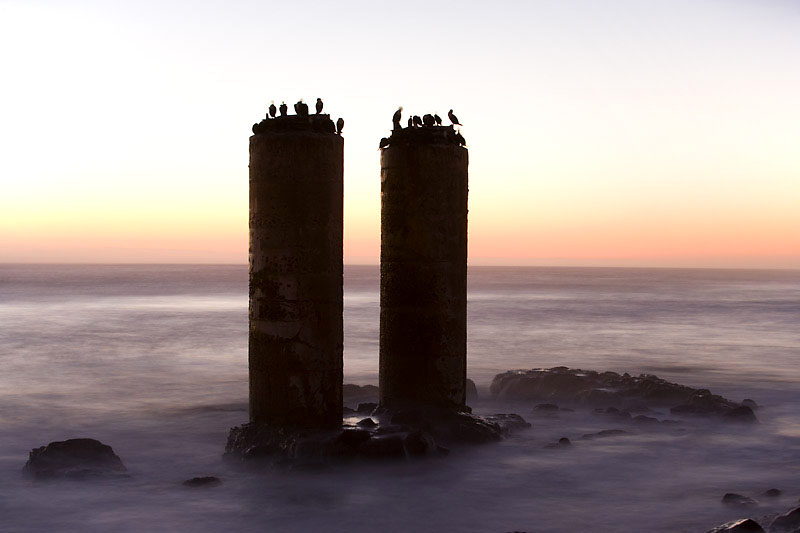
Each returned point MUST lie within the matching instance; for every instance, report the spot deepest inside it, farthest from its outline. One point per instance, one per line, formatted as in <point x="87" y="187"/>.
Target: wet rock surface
<point x="618" y="394"/>
<point x="743" y="525"/>
<point x="204" y="481"/>
<point x="786" y="522"/>
<point x="395" y="434"/>
<point x="734" y="499"/>
<point x="73" y="459"/>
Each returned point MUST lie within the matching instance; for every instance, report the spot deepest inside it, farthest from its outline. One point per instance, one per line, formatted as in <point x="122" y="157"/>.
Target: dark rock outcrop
<point x="355" y="394"/>
<point x="604" y="434"/>
<point x="743" y="525"/>
<point x="204" y="481"/>
<point x="786" y="522"/>
<point x="772" y="493"/>
<point x="731" y="498"/>
<point x="618" y="394"/>
<point x="74" y="459"/>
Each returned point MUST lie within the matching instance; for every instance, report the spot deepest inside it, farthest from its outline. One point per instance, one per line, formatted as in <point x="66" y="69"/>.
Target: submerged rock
<point x="355" y="394"/>
<point x="205" y="481"/>
<point x="787" y="522"/>
<point x="743" y="525"/>
<point x="772" y="493"/>
<point x="604" y="434"/>
<point x="74" y="459"/>
<point x="731" y="498"/>
<point x="617" y="394"/>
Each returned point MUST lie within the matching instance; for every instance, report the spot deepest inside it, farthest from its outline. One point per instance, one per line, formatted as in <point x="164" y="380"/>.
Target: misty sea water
<point x="152" y="359"/>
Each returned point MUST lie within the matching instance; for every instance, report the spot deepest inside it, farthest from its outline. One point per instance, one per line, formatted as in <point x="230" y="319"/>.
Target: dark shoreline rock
<point x="204" y="481"/>
<point x="618" y="394"/>
<point x="73" y="459"/>
<point x="742" y="525"/>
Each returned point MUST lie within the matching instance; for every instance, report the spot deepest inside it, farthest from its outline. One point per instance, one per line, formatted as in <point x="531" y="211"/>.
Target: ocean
<point x="152" y="360"/>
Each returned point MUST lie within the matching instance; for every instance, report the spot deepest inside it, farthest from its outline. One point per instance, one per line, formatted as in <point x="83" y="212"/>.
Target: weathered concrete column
<point x="295" y="343"/>
<point x="423" y="322"/>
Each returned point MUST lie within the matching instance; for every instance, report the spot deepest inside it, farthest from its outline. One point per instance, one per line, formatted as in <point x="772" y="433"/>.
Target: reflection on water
<point x="153" y="360"/>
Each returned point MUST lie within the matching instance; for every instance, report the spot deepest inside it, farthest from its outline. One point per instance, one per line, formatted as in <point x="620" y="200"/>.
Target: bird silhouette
<point x="319" y="106"/>
<point x="284" y="109"/>
<point x="410" y="122"/>
<point x="428" y="120"/>
<point x="272" y="109"/>
<point x="384" y="143"/>
<point x="301" y="108"/>
<point x="460" y="139"/>
<point x="453" y="118"/>
<point x="396" y="118"/>
<point x="339" y="125"/>
<point x="417" y="121"/>
<point x="438" y="119"/>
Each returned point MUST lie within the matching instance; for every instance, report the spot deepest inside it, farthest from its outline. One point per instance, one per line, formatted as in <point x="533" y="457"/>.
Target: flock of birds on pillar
<point x="426" y="121"/>
<point x="301" y="109"/>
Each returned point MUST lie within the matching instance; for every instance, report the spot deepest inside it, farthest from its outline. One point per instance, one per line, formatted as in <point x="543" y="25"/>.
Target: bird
<point x="284" y="109"/>
<point x="339" y="125"/>
<point x="460" y="139"/>
<point x="438" y="119"/>
<point x="384" y="143"/>
<point x="319" y="106"/>
<point x="272" y="109"/>
<point x="410" y="122"/>
<point x="453" y="118"/>
<point x="396" y="118"/>
<point x="417" y="120"/>
<point x="297" y="107"/>
<point x="428" y="120"/>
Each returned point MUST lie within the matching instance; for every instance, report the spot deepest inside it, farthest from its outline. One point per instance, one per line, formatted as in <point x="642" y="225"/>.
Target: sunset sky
<point x="600" y="133"/>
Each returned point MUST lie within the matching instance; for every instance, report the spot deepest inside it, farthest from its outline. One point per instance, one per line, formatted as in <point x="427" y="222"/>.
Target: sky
<point x="622" y="133"/>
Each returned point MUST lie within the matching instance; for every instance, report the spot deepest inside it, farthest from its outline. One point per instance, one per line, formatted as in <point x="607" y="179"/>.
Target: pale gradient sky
<point x="600" y="133"/>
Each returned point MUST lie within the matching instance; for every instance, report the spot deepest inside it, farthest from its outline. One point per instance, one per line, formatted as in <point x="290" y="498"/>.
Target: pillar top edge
<point x="424" y="135"/>
<point x="320" y="124"/>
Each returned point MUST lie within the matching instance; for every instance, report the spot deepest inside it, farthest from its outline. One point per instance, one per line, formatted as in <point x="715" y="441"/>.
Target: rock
<point x="419" y="443"/>
<point x="206" y="481"/>
<point x="645" y="420"/>
<point x="353" y="437"/>
<point x="354" y="394"/>
<point x="750" y="403"/>
<point x="609" y="389"/>
<point x="383" y="447"/>
<point x="563" y="442"/>
<point x="743" y="525"/>
<point x="772" y="493"/>
<point x="366" y="408"/>
<point x="703" y="403"/>
<point x="348" y="411"/>
<point x="786" y="522"/>
<point x="614" y="413"/>
<point x="731" y="498"/>
<point x="508" y="422"/>
<point x="605" y="433"/>
<point x="472" y="390"/>
<point x="367" y="423"/>
<point x="73" y="458"/>
<point x="740" y="414"/>
<point x="546" y="407"/>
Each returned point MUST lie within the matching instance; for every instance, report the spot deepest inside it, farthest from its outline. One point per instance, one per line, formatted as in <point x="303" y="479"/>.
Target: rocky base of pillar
<point x="386" y="434"/>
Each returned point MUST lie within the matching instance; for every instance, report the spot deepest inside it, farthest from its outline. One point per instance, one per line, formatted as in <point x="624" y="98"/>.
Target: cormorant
<point x="410" y="122"/>
<point x="319" y="106"/>
<point x="284" y="109"/>
<point x="396" y="118"/>
<point x="272" y="109"/>
<point x="417" y="121"/>
<point x="339" y="125"/>
<point x="438" y="119"/>
<point x="453" y="118"/>
<point x="301" y="108"/>
<point x="428" y="120"/>
<point x="384" y="143"/>
<point x="460" y="139"/>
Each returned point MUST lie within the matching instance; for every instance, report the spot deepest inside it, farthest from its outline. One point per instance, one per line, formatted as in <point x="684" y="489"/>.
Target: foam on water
<point x="153" y="360"/>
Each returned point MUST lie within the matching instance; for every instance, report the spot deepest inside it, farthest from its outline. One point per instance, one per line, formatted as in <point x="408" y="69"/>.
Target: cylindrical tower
<point x="423" y="322"/>
<point x="296" y="274"/>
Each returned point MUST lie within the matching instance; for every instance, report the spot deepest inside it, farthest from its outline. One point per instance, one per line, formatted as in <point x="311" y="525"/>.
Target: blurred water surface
<point x="153" y="360"/>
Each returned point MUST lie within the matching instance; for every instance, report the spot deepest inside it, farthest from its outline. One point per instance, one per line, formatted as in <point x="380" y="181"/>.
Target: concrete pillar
<point x="423" y="322"/>
<point x="296" y="275"/>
